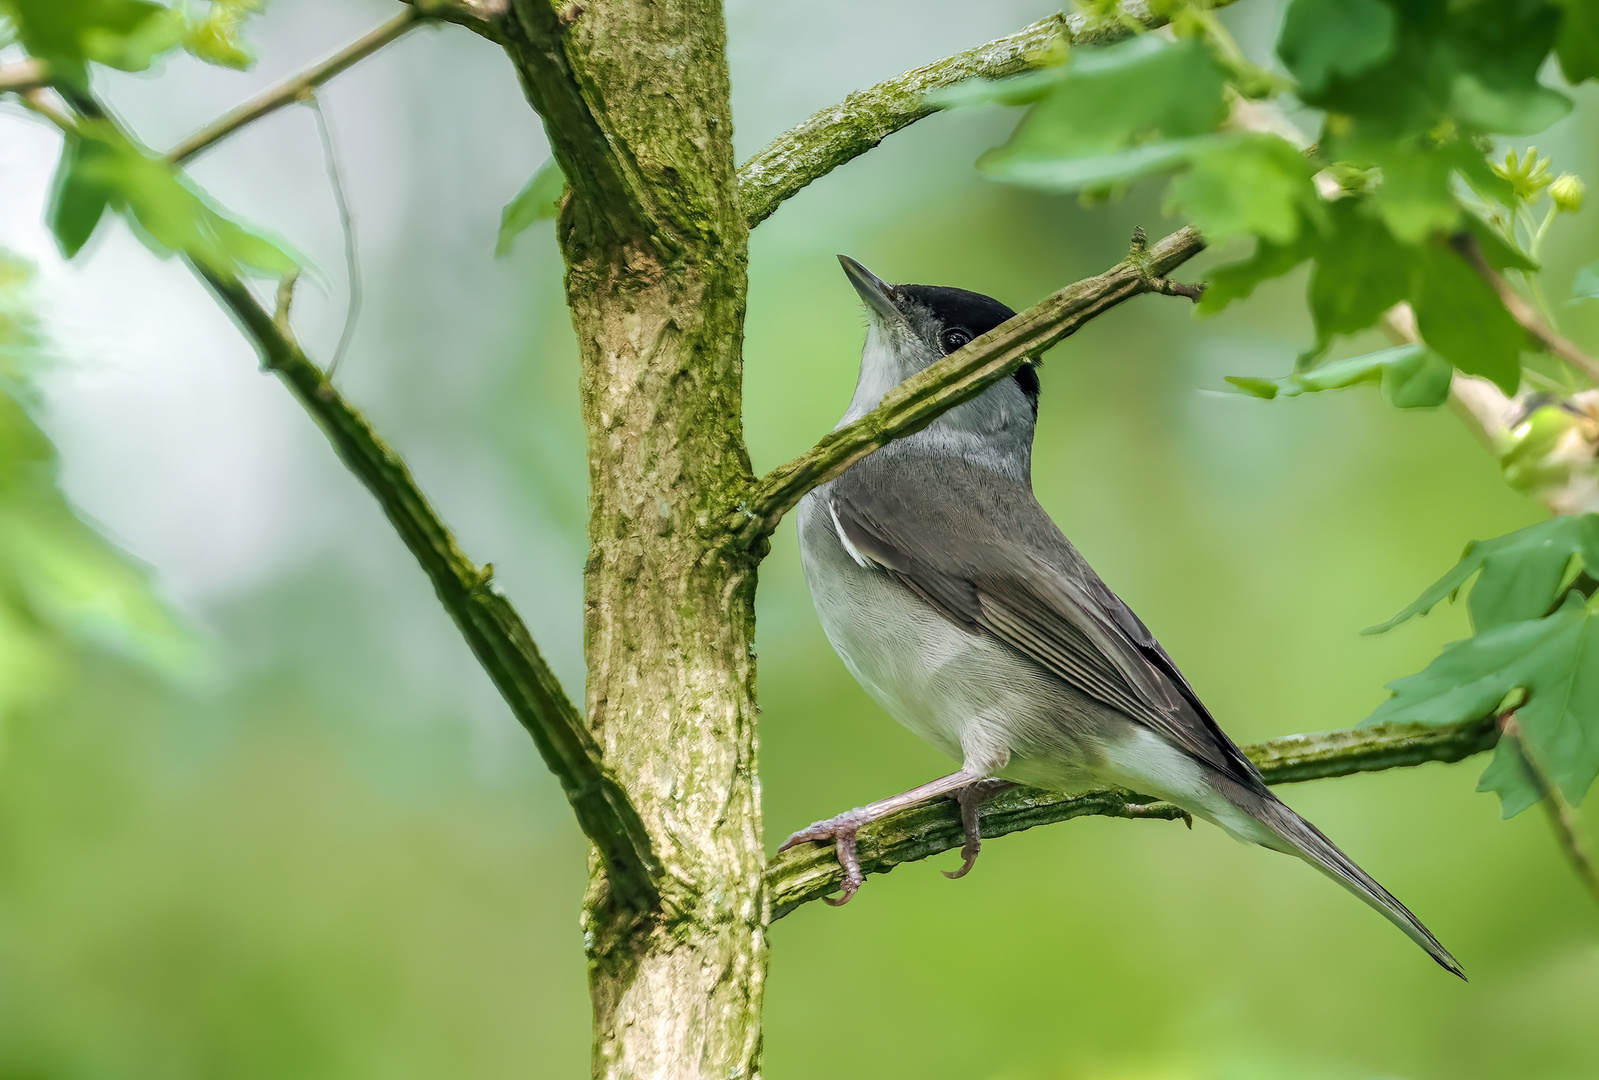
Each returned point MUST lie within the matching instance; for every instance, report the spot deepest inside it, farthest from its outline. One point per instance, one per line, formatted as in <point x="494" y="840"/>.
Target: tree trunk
<point x="669" y="611"/>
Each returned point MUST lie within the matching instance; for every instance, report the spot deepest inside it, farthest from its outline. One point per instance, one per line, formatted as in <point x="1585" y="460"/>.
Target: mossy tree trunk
<point x="655" y="247"/>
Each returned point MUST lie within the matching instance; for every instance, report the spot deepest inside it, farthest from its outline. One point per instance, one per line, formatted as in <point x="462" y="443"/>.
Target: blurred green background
<point x="312" y="842"/>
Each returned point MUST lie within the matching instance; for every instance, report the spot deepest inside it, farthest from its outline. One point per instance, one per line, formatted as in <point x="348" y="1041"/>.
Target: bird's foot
<point x="971" y="797"/>
<point x="842" y="830"/>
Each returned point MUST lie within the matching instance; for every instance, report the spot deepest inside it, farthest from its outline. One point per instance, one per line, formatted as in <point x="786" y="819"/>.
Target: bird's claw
<point x="970" y="798"/>
<point x="842" y="831"/>
<point x="853" y="878"/>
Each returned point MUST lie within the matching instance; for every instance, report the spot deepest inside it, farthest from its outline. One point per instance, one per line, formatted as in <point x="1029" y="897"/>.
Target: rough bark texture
<point x="655" y="247"/>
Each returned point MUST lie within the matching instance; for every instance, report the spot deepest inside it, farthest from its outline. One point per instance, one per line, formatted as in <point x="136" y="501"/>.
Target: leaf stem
<point x="1562" y="819"/>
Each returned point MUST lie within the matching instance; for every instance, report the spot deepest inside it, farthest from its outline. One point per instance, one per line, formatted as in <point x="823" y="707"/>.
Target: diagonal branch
<point x="855" y="125"/>
<point x="811" y="871"/>
<point x="964" y="374"/>
<point x="486" y="619"/>
<point x="295" y="86"/>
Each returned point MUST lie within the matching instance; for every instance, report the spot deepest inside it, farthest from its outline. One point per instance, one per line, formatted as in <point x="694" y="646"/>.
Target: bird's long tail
<point x="1299" y="837"/>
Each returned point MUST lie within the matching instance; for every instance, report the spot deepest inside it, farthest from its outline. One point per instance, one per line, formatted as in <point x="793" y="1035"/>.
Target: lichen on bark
<point x="656" y="250"/>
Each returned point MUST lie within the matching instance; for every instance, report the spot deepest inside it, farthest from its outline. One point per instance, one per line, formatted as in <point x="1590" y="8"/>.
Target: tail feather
<point x="1303" y="839"/>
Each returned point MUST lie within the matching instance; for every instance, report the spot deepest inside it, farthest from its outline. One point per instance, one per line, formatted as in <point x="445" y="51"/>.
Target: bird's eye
<point x="954" y="338"/>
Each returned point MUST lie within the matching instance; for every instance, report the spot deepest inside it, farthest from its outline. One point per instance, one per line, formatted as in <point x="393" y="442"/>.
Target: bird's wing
<point x="1028" y="587"/>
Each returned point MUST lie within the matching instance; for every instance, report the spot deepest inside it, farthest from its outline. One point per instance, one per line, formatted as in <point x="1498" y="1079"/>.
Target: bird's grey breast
<point x="959" y="688"/>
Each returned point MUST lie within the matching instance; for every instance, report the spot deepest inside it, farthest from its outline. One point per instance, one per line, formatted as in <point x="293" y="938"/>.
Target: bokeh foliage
<point x="62" y="586"/>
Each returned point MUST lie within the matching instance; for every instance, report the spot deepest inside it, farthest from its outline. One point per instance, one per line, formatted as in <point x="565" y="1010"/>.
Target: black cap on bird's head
<point x="943" y="318"/>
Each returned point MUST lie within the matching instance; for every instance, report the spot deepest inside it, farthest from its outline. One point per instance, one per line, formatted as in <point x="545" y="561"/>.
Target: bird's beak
<point x="878" y="294"/>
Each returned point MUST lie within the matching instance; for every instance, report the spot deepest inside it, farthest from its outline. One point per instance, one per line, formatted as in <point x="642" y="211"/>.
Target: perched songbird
<point x="955" y="600"/>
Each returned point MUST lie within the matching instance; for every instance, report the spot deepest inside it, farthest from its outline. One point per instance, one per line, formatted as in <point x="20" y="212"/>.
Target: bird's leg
<point x="971" y="797"/>
<point x="843" y="828"/>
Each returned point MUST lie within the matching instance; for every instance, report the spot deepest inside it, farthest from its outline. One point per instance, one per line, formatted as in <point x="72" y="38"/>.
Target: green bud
<point x="1528" y="174"/>
<point x="1567" y="192"/>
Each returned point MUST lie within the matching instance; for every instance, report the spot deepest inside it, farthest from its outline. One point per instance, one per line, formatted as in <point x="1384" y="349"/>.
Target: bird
<point x="961" y="608"/>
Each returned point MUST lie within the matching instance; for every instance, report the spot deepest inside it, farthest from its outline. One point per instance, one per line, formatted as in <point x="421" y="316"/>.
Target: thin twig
<point x="811" y="871"/>
<point x="482" y="17"/>
<point x="1523" y="312"/>
<point x="845" y="131"/>
<point x="341" y="202"/>
<point x="295" y="86"/>
<point x="280" y="317"/>
<point x="23" y="75"/>
<point x="1561" y="817"/>
<point x="36" y="101"/>
<point x="962" y="375"/>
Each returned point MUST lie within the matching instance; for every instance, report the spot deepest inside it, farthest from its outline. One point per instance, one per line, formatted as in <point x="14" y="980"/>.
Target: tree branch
<point x="855" y="125"/>
<point x="482" y="17"/>
<point x="295" y="86"/>
<point x="964" y="374"/>
<point x="609" y="192"/>
<point x="811" y="871"/>
<point x="486" y="619"/>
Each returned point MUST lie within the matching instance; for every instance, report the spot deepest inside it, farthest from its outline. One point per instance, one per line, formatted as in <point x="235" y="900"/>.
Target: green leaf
<point x="1507" y="776"/>
<point x="1461" y="317"/>
<point x="125" y="34"/>
<point x="1324" y="37"/>
<point x="1523" y="573"/>
<point x="217" y="37"/>
<point x="1496" y="251"/>
<point x="61" y="584"/>
<point x="1253" y="185"/>
<point x="1468" y="69"/>
<point x="100" y="167"/>
<point x="1508" y="110"/>
<point x="1016" y="90"/>
<point x="1585" y="286"/>
<point x="539" y="199"/>
<point x="1114" y="114"/>
<point x="1411" y="376"/>
<point x="1067" y="174"/>
<point x="1254" y="387"/>
<point x="1237" y="281"/>
<point x="1578" y="43"/>
<point x="77" y="197"/>
<point x="1415" y="198"/>
<point x="1555" y="660"/>
<point x="1416" y="380"/>
<point x="1361" y="272"/>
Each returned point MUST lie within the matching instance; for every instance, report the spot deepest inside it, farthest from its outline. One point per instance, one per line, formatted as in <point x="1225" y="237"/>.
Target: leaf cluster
<point x="1399" y="182"/>
<point x="1534" y="651"/>
<point x="128" y="35"/>
<point x="1411" y="93"/>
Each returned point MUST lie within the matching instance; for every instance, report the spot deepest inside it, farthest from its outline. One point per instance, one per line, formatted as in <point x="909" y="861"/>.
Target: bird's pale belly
<point x="964" y="692"/>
